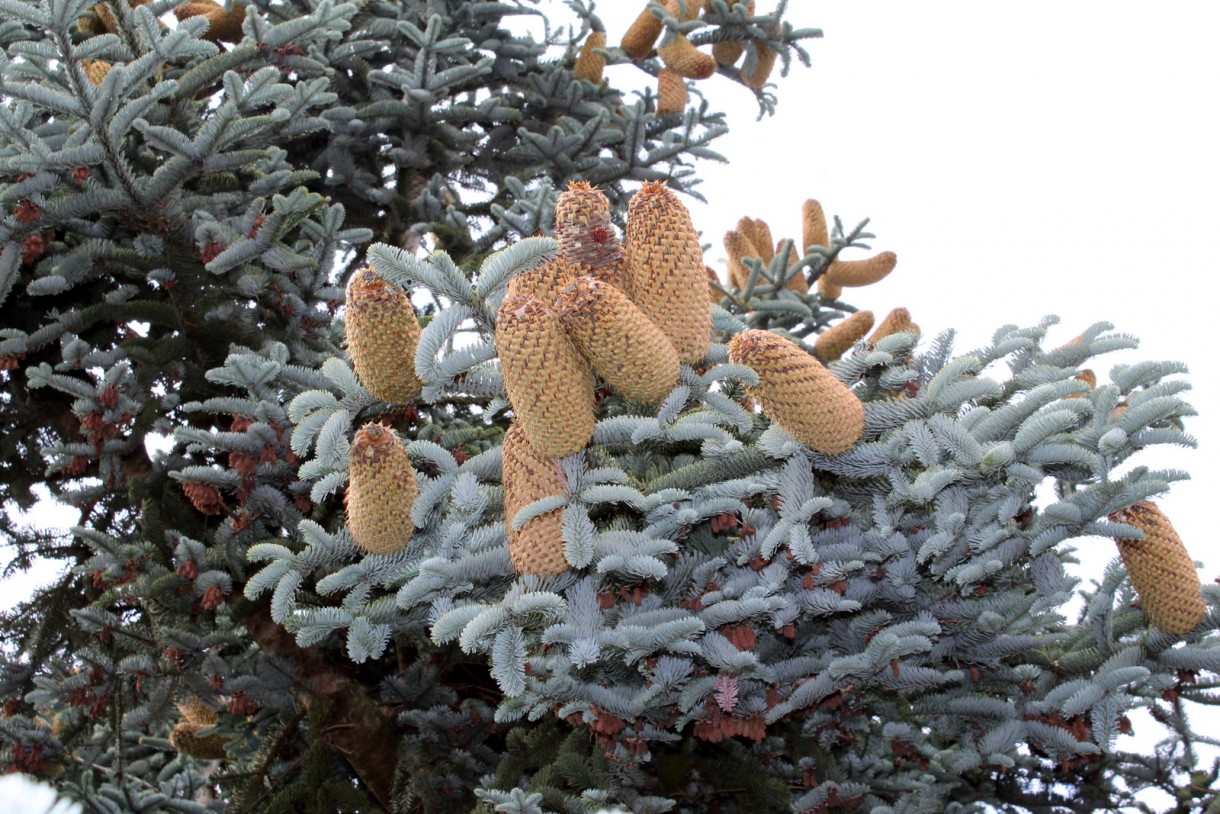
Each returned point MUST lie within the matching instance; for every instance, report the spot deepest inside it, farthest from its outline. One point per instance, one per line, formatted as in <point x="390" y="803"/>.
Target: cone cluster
<point x="381" y="491"/>
<point x="528" y="476"/>
<point x="799" y="394"/>
<point x="185" y="738"/>
<point x="1161" y="570"/>
<point x="382" y="334"/>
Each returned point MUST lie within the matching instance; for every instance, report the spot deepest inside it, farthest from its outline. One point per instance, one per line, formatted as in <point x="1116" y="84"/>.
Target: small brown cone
<point x="96" y="69"/>
<point x="896" y="321"/>
<point x="684" y="59"/>
<point x="590" y="65"/>
<point x="759" y="234"/>
<point x="643" y="33"/>
<point x="586" y="235"/>
<point x="671" y="93"/>
<point x="855" y="273"/>
<point x="664" y="264"/>
<point x="755" y="73"/>
<point x="799" y="394"/>
<point x="627" y="350"/>
<point x="550" y="385"/>
<point x="796" y="282"/>
<point x="223" y="26"/>
<point x="727" y="52"/>
<point x="106" y="17"/>
<point x="738" y="247"/>
<point x="382" y="334"/>
<point x="528" y="476"/>
<point x="813" y="225"/>
<point x="196" y="712"/>
<point x="829" y="290"/>
<point x="184" y="739"/>
<point x="1161" y="570"/>
<point x="544" y="281"/>
<point x="836" y="340"/>
<point x="381" y="490"/>
<point x="1089" y="378"/>
<point x="204" y="497"/>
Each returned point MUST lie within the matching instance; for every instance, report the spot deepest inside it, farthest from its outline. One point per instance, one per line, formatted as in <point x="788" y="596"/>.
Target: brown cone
<point x="1089" y="378"/>
<point x="799" y="394"/>
<point x="544" y="281"/>
<point x="796" y="282"/>
<point x="630" y="353"/>
<point x="643" y="33"/>
<point x="855" y="273"/>
<point x="829" y="290"/>
<point x="759" y="234"/>
<point x="684" y="59"/>
<point x="762" y="67"/>
<point x="1161" y="570"/>
<point x="671" y="93"/>
<point x="738" y="246"/>
<point x="382" y="334"/>
<point x="528" y="476"/>
<point x="96" y="69"/>
<point x="896" y="321"/>
<point x="664" y="264"/>
<point x="106" y="17"/>
<point x="836" y="340"/>
<point x="813" y="225"/>
<point x="196" y="712"/>
<point x="381" y="491"/>
<point x="549" y="383"/>
<point x="727" y="52"/>
<point x="589" y="65"/>
<point x="586" y="235"/>
<point x="184" y="739"/>
<point x="222" y="26"/>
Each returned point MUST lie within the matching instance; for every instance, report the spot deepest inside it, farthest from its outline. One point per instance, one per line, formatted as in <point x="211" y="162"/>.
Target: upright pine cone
<point x="665" y="269"/>
<point x="96" y="70"/>
<point x="586" y="235"/>
<point x="630" y="353"/>
<point x="738" y="247"/>
<point x="896" y="321"/>
<point x="836" y="340"/>
<point x="589" y="65"/>
<point x="382" y="335"/>
<point x="185" y="738"/>
<point x="223" y="26"/>
<point x="643" y="33"/>
<point x="381" y="491"/>
<point x="758" y="66"/>
<point x="544" y="281"/>
<point x="758" y="233"/>
<point x="538" y="547"/>
<point x="684" y="59"/>
<point x="813" y="225"/>
<point x="798" y="393"/>
<point x="855" y="273"/>
<point x="549" y="383"/>
<point x="671" y="93"/>
<point x="1161" y="570"/>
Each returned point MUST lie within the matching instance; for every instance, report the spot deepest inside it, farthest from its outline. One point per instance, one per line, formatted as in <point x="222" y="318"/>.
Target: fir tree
<point x="628" y="536"/>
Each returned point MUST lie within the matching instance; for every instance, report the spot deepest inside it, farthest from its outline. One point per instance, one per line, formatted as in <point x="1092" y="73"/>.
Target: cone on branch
<point x="96" y="70"/>
<point x="896" y="321"/>
<point x="856" y="273"/>
<point x="838" y="339"/>
<point x="684" y="59"/>
<point x="544" y="281"/>
<point x="586" y="235"/>
<point x="223" y="26"/>
<point x="528" y="476"/>
<point x="760" y="61"/>
<point x="672" y="95"/>
<point x="382" y="334"/>
<point x="738" y="247"/>
<point x="643" y="33"/>
<point x="798" y="393"/>
<point x="549" y="384"/>
<point x="1161" y="570"/>
<point x="381" y="491"/>
<point x="727" y="52"/>
<point x="590" y="64"/>
<point x="185" y="738"/>
<point x="664" y="265"/>
<point x="626" y="349"/>
<point x="758" y="233"/>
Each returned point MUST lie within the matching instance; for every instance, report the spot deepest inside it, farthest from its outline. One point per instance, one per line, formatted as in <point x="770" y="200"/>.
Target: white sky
<point x="1021" y="159"/>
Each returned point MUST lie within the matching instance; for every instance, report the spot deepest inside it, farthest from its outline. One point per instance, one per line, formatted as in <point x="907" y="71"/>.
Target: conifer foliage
<point x="417" y="472"/>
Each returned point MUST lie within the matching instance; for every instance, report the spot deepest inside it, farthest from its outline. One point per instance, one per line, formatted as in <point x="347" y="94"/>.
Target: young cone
<point x="586" y="235"/>
<point x="758" y="233"/>
<point x="813" y="225"/>
<point x="855" y="273"/>
<point x="549" y="383"/>
<point x="223" y="26"/>
<point x="664" y="264"/>
<point x="381" y="490"/>
<point x="738" y="247"/>
<point x="538" y="547"/>
<point x="671" y="93"/>
<point x="796" y="282"/>
<point x="896" y="321"/>
<point x="760" y="61"/>
<point x="1161" y="570"/>
<point x="627" y="350"/>
<point x="96" y="69"/>
<point x="836" y="340"/>
<point x="544" y="281"/>
<point x="590" y="65"/>
<point x="798" y="393"/>
<point x="643" y="33"/>
<point x="684" y="59"/>
<point x="382" y="334"/>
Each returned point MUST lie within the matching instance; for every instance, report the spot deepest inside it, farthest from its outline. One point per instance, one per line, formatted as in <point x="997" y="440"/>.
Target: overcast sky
<point x="1021" y="159"/>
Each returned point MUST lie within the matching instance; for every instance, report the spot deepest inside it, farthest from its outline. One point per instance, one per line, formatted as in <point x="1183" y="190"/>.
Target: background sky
<point x="1021" y="159"/>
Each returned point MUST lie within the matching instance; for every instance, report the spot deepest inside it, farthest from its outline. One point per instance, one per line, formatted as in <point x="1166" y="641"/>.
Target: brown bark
<point x="355" y="727"/>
